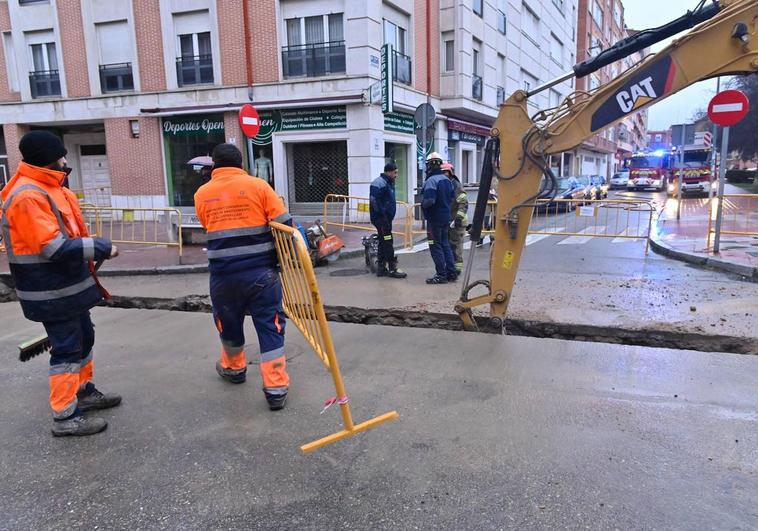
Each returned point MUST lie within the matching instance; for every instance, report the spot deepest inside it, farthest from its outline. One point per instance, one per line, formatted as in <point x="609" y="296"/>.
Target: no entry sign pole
<point x="722" y="178"/>
<point x="726" y="109"/>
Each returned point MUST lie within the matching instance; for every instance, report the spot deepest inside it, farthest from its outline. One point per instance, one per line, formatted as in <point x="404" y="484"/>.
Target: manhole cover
<point x="348" y="272"/>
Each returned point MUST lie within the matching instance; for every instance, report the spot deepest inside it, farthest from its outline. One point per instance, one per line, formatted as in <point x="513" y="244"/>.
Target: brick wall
<point x="419" y="59"/>
<point x="265" y="51"/>
<point x="136" y="164"/>
<point x="582" y="43"/>
<point x="72" y="47"/>
<point x="13" y="134"/>
<point x="147" y="26"/>
<point x="231" y="33"/>
<point x="5" y="25"/>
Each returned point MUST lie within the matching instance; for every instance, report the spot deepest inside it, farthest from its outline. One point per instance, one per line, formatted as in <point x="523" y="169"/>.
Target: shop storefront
<point x="465" y="149"/>
<point x="185" y="138"/>
<point x="405" y="151"/>
<point x="312" y="168"/>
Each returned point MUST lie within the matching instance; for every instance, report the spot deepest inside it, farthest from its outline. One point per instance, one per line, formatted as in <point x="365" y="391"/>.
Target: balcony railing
<point x="314" y="60"/>
<point x="402" y="67"/>
<point x="116" y="77"/>
<point x="45" y="83"/>
<point x="476" y="87"/>
<point x="196" y="70"/>
<point x="500" y="95"/>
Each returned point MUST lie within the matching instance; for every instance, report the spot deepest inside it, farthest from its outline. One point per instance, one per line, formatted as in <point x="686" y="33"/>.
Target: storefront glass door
<point x="316" y="170"/>
<point x="398" y="153"/>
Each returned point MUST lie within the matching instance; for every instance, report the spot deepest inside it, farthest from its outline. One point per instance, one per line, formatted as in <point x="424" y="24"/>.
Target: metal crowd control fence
<point x="144" y="226"/>
<point x="351" y="212"/>
<point x="739" y="216"/>
<point x="302" y="302"/>
<point x="595" y="218"/>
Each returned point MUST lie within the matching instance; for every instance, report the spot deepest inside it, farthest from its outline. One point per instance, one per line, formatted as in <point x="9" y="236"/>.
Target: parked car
<point x="620" y="180"/>
<point x="570" y="190"/>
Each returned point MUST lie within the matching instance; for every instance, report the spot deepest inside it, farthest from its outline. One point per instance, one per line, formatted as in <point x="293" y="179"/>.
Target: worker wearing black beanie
<point x="41" y="148"/>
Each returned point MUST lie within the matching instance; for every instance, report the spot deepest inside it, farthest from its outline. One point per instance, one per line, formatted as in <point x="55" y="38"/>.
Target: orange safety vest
<point x="49" y="249"/>
<point x="235" y="209"/>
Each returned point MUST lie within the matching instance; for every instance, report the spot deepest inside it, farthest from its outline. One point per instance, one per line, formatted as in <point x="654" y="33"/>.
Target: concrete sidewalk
<point x="494" y="433"/>
<point x="686" y="239"/>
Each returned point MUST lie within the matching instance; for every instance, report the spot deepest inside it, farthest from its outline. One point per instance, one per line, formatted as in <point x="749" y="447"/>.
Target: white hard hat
<point x="434" y="156"/>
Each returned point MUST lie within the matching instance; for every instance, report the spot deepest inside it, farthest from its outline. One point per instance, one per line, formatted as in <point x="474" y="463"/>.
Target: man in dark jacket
<point x="458" y="213"/>
<point x="382" y="211"/>
<point x="438" y="194"/>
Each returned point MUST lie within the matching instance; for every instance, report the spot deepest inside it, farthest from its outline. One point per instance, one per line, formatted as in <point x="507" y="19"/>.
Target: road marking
<point x="415" y="249"/>
<point x="534" y="238"/>
<point x="631" y="231"/>
<point x="578" y="240"/>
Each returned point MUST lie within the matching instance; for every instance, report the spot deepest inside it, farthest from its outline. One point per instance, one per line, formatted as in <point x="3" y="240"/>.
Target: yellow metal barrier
<point x="144" y="226"/>
<point x="304" y="307"/>
<point x="351" y="212"/>
<point x="739" y="216"/>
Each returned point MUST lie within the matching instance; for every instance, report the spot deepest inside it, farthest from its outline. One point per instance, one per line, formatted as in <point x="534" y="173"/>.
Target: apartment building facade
<point x="139" y="88"/>
<point x="600" y="25"/>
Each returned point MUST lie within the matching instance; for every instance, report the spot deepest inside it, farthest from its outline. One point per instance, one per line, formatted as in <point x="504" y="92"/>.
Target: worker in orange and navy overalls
<point x="235" y="208"/>
<point x="51" y="262"/>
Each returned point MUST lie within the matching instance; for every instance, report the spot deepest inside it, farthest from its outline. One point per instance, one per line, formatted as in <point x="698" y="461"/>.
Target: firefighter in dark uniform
<point x="382" y="208"/>
<point x="458" y="213"/>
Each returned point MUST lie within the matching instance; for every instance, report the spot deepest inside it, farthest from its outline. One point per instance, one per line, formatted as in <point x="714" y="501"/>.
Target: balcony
<point x="313" y="60"/>
<point x="476" y="87"/>
<point x="45" y="83"/>
<point x="500" y="95"/>
<point x="116" y="77"/>
<point x="402" y="68"/>
<point x="196" y="70"/>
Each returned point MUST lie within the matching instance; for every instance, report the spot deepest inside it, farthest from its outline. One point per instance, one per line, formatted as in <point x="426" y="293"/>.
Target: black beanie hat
<point x="41" y="148"/>
<point x="226" y="156"/>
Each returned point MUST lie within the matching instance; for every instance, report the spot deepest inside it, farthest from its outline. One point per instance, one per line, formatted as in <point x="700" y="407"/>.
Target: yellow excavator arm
<point x="724" y="41"/>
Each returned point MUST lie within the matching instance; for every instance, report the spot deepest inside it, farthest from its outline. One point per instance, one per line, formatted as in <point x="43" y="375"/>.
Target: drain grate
<point x="348" y="272"/>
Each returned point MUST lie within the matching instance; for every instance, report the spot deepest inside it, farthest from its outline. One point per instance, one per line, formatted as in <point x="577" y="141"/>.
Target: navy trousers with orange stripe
<point x="70" y="361"/>
<point x="259" y="293"/>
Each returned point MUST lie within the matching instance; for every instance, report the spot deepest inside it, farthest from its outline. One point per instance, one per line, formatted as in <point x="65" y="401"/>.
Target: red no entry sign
<point x="250" y="122"/>
<point x="728" y="107"/>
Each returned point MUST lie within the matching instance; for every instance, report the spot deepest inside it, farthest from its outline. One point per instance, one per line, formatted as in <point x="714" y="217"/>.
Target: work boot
<point x="78" y="425"/>
<point x="396" y="272"/>
<point x="381" y="269"/>
<point x="275" y="402"/>
<point x="436" y="279"/>
<point x="453" y="277"/>
<point x="90" y="398"/>
<point x="230" y="375"/>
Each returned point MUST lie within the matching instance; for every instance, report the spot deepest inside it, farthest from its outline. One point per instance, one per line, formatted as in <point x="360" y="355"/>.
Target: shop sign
<point x="305" y="119"/>
<point x="399" y="122"/>
<point x="388" y="86"/>
<point x="193" y="125"/>
<point x="463" y="136"/>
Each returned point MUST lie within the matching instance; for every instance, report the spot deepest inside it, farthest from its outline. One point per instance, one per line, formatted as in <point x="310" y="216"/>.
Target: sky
<point x="642" y="14"/>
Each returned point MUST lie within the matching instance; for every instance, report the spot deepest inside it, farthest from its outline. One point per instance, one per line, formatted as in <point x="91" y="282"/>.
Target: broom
<point x="41" y="344"/>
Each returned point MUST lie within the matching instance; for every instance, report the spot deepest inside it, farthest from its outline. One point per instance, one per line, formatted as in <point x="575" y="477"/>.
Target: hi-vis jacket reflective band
<point x="48" y="248"/>
<point x="235" y="209"/>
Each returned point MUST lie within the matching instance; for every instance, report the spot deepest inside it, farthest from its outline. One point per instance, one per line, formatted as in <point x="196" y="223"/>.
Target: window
<point x="315" y="46"/>
<point x="556" y="49"/>
<point x="449" y="55"/>
<point x="194" y="62"/>
<point x="530" y="81"/>
<point x="501" y="22"/>
<point x="476" y="68"/>
<point x="500" y="91"/>
<point x="594" y="82"/>
<point x="597" y="13"/>
<point x="555" y="98"/>
<point x="530" y="24"/>
<point x="398" y="38"/>
<point x="115" y="56"/>
<point x="478" y="7"/>
<point x="44" y="80"/>
<point x="558" y="4"/>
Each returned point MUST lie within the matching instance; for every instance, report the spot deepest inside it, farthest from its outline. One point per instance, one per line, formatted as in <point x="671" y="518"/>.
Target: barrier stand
<point x="352" y="212"/>
<point x="302" y="302"/>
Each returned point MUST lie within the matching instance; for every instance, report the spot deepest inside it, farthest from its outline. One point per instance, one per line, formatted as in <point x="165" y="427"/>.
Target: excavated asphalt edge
<point x="442" y="321"/>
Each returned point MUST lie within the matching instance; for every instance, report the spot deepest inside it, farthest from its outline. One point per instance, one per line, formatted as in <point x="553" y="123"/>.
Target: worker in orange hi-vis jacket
<point x="51" y="258"/>
<point x="235" y="208"/>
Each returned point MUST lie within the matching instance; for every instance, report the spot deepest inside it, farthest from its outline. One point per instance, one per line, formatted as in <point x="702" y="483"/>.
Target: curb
<point x="749" y="273"/>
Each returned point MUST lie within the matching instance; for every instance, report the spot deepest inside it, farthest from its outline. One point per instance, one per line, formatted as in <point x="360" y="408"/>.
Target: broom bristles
<point x="34" y="347"/>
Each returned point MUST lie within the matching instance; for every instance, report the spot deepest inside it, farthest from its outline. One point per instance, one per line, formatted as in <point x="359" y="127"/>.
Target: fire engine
<point x="696" y="178"/>
<point x="649" y="170"/>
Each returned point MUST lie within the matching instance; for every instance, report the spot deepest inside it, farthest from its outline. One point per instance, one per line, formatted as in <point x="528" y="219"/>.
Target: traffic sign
<point x="250" y="122"/>
<point x="728" y="107"/>
<point x="425" y="115"/>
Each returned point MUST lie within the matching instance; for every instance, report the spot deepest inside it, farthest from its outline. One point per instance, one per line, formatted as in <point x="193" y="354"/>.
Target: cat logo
<point x="638" y="94"/>
<point x="652" y="82"/>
